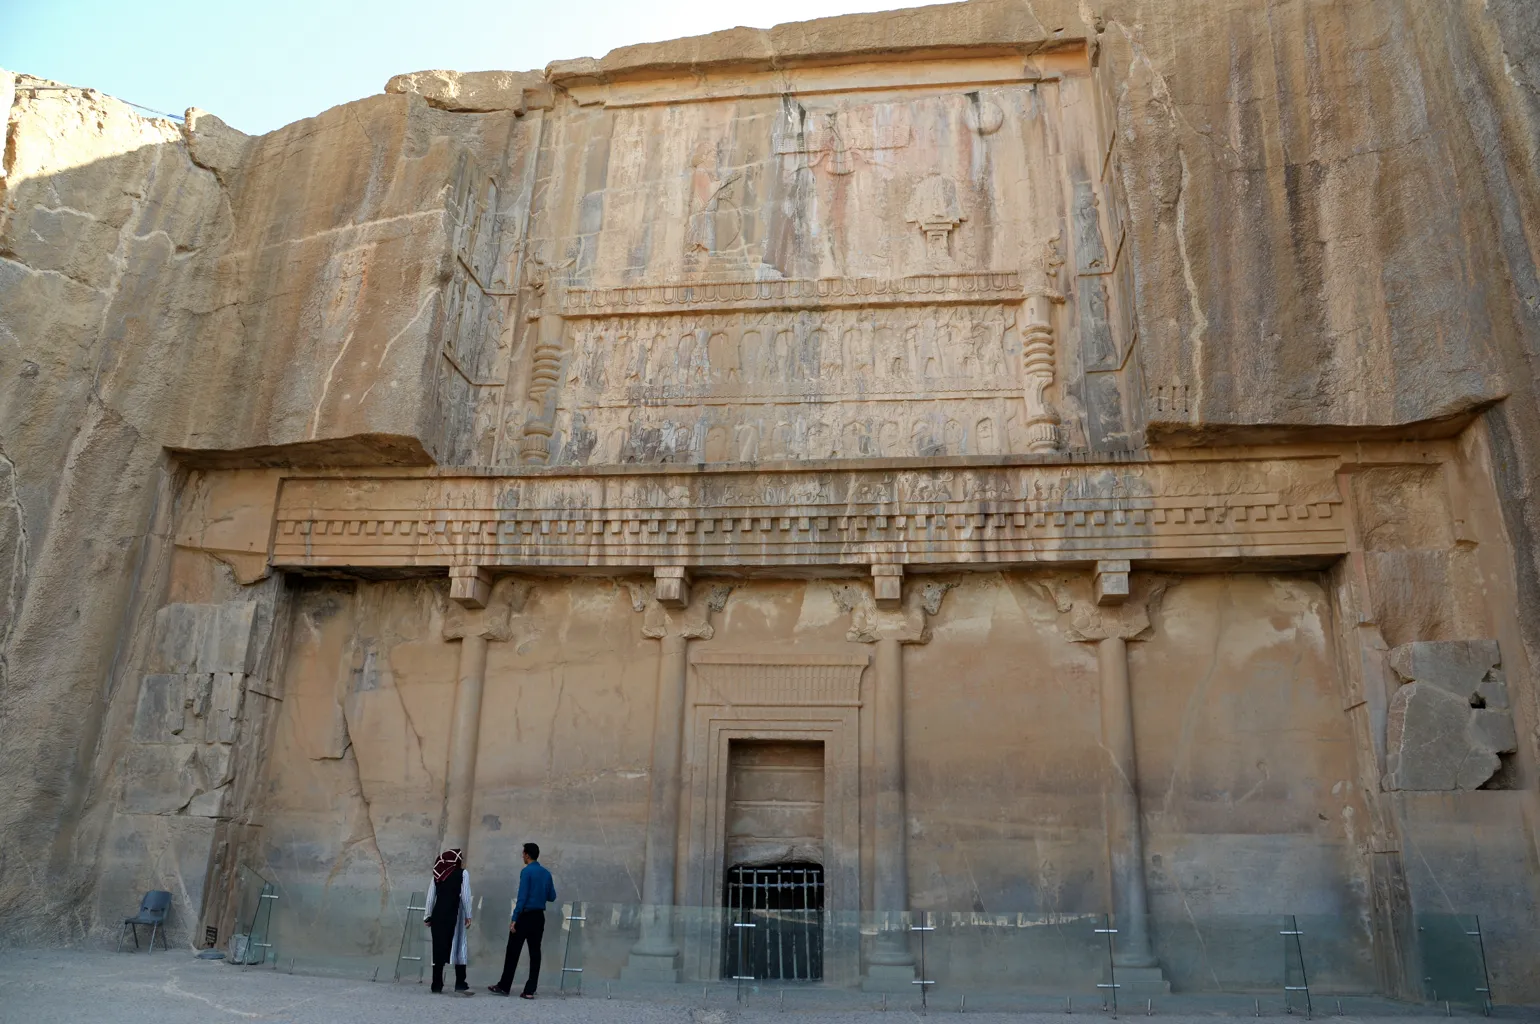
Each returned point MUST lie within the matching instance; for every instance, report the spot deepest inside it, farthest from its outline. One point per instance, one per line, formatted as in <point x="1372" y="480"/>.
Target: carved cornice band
<point x="934" y="518"/>
<point x="820" y="293"/>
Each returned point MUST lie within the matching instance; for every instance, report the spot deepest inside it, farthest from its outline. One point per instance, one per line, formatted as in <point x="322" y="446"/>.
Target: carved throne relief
<point x="934" y="206"/>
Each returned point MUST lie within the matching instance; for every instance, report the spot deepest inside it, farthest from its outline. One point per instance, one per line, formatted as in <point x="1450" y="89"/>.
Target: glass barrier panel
<point x="1296" y="984"/>
<point x="573" y="917"/>
<point x="249" y="945"/>
<point x="1452" y="953"/>
<point x="413" y="953"/>
<point x="343" y="931"/>
<point x="767" y="954"/>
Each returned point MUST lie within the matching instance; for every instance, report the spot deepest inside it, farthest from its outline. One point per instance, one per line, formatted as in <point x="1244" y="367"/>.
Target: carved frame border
<point x="712" y="728"/>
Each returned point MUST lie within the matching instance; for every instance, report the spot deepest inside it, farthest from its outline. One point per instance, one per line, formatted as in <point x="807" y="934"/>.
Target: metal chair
<point x="152" y="911"/>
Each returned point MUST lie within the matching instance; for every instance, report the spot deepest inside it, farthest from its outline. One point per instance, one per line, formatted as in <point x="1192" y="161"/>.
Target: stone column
<point x="888" y="617"/>
<point x="1125" y="838"/>
<point x="890" y="882"/>
<point x="464" y="734"/>
<point x="673" y="622"/>
<point x="478" y="612"/>
<point x="1112" y="614"/>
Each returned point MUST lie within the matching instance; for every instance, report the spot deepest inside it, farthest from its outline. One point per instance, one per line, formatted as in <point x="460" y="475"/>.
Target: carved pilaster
<point x="545" y="371"/>
<point x="1038" y="351"/>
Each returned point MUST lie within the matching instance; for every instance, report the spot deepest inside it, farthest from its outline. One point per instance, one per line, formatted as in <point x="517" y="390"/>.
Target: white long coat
<point x="459" y="952"/>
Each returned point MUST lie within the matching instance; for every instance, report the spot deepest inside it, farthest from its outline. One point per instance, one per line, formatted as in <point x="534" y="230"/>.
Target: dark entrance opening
<point x="784" y="903"/>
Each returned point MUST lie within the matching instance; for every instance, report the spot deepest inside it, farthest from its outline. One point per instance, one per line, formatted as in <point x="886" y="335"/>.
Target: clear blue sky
<point x="259" y="64"/>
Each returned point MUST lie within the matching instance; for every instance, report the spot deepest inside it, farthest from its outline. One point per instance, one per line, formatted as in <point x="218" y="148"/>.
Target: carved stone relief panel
<point x="477" y="325"/>
<point x="861" y="183"/>
<point x="767" y="371"/>
<point x="686" y="230"/>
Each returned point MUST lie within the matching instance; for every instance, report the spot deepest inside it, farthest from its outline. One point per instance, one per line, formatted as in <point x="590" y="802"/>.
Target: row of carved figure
<point x="898" y="351"/>
<point x="773" y="433"/>
<point x="1049" y="488"/>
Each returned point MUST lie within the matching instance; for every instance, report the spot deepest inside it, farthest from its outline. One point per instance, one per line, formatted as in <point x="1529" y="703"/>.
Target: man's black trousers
<point x="531" y="929"/>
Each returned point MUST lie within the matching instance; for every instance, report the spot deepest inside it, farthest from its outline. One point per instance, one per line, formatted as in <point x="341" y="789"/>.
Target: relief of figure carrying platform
<point x="755" y="371"/>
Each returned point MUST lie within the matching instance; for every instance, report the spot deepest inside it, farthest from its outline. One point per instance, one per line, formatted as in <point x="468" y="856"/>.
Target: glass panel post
<point x="1485" y="991"/>
<point x="411" y="939"/>
<point x="1294" y="979"/>
<point x="258" y="948"/>
<point x="572" y="919"/>
<point x="1109" y="987"/>
<point x="744" y="971"/>
<point x="924" y="982"/>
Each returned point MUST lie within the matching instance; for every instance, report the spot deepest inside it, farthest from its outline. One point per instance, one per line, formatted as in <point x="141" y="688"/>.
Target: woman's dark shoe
<point x="498" y="991"/>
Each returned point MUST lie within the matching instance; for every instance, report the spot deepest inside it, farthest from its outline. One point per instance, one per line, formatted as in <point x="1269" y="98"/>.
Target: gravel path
<point x="59" y="986"/>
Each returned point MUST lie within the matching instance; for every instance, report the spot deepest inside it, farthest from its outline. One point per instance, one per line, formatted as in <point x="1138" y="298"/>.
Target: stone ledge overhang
<point x="1276" y="509"/>
<point x="974" y="29"/>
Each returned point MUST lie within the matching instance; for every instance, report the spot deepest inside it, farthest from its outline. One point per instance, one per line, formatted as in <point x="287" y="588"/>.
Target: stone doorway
<point x="774" y="838"/>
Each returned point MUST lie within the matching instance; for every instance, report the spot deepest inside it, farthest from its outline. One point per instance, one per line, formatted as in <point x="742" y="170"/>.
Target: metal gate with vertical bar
<point x="784" y="902"/>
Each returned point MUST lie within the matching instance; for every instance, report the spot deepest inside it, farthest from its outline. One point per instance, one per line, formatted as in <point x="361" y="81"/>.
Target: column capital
<point x="493" y="619"/>
<point x="1110" y="586"/>
<point x="905" y="619"/>
<point x="888" y="585"/>
<point x="1109" y="602"/>
<point x="671" y="584"/>
<point x="664" y="614"/>
<point x="470" y="585"/>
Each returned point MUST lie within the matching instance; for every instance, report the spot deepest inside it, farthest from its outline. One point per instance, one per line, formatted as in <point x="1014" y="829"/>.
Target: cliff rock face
<point x="183" y="288"/>
<point x="1332" y="209"/>
<point x="1238" y="275"/>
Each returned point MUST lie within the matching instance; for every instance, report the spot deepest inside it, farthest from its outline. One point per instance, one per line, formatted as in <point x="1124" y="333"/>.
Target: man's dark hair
<point x="533" y="851"/>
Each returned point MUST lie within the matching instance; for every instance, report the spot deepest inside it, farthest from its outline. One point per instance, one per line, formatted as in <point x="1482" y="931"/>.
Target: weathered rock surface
<point x="188" y="290"/>
<point x="939" y="288"/>
<point x="981" y="26"/>
<point x="1450" y="719"/>
<point x="475" y="91"/>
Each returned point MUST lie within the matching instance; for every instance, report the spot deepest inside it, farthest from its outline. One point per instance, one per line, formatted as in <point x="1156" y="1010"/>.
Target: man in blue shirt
<point x="528" y="925"/>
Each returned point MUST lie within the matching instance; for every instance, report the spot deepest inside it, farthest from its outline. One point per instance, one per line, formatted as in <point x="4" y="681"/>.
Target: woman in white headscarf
<point x="448" y="916"/>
